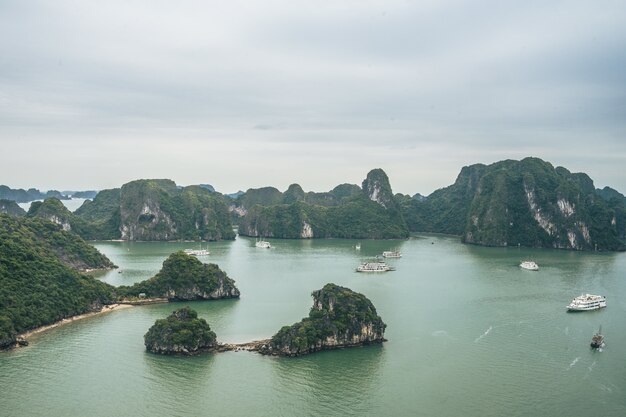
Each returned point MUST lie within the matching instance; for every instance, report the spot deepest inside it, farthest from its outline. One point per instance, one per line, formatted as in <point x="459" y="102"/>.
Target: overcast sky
<point x="243" y="94"/>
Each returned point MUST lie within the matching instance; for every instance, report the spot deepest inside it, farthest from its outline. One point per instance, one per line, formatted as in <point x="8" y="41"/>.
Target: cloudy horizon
<point x="249" y="94"/>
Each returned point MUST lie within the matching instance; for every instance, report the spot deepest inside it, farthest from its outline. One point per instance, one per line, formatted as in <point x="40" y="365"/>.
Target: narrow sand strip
<point x="105" y="309"/>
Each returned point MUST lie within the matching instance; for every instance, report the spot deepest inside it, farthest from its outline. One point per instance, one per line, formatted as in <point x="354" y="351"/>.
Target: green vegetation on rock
<point x="345" y="212"/>
<point x="157" y="210"/>
<point x="39" y="283"/>
<point x="12" y="208"/>
<point x="183" y="277"/>
<point x="181" y="333"/>
<point x="339" y="318"/>
<point x="526" y="203"/>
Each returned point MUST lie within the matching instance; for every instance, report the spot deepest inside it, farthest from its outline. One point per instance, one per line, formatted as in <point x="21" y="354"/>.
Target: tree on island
<point x="182" y="333"/>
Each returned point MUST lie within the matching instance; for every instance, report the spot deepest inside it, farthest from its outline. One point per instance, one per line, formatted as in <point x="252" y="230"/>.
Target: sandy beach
<point x="105" y="309"/>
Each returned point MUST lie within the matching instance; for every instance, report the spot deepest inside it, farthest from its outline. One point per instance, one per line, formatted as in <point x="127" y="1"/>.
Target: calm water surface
<point x="470" y="334"/>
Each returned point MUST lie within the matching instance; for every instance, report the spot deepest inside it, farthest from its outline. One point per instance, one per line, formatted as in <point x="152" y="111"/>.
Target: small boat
<point x="392" y="254"/>
<point x="529" y="265"/>
<point x="597" y="341"/>
<point x="358" y="246"/>
<point x="197" y="252"/>
<point x="262" y="244"/>
<point x="374" y="267"/>
<point x="586" y="302"/>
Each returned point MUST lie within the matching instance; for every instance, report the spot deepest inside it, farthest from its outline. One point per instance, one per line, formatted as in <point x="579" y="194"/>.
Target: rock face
<point x="376" y="187"/>
<point x="152" y="210"/>
<point x="527" y="203"/>
<point x="339" y="318"/>
<point x="182" y="333"/>
<point x="184" y="278"/>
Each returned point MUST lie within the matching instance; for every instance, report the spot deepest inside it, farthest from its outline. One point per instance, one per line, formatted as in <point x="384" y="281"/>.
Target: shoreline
<point x="103" y="310"/>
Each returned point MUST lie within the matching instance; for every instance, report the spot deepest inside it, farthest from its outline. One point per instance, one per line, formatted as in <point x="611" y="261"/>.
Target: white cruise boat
<point x="587" y="302"/>
<point x="529" y="265"/>
<point x="373" y="267"/>
<point x="392" y="254"/>
<point x="262" y="244"/>
<point x="197" y="252"/>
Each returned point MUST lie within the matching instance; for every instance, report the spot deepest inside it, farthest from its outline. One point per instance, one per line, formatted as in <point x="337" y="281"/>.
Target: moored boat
<point x="529" y="265"/>
<point x="197" y="252"/>
<point x="373" y="267"/>
<point x="262" y="244"/>
<point x="392" y="254"/>
<point x="586" y="302"/>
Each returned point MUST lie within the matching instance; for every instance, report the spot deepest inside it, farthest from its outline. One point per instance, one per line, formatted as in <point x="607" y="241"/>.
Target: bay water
<point x="469" y="333"/>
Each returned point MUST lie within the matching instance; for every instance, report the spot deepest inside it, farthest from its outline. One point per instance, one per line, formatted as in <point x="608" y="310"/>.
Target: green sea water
<point x="470" y="334"/>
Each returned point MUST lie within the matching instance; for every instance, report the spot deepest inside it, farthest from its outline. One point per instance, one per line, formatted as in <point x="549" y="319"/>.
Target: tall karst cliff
<point x="527" y="203"/>
<point x="158" y="210"/>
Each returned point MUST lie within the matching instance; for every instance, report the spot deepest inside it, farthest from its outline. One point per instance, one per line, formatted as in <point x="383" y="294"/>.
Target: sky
<point x="245" y="94"/>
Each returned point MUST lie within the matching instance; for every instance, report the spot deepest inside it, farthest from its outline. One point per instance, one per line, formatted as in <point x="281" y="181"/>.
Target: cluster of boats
<point x="378" y="265"/>
<point x="197" y="252"/>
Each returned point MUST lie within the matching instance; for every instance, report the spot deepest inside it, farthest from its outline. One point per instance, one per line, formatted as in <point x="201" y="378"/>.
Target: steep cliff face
<point x="158" y="210"/>
<point x="377" y="188"/>
<point x="527" y="203"/>
<point x="184" y="278"/>
<point x="339" y="318"/>
<point x="182" y="333"/>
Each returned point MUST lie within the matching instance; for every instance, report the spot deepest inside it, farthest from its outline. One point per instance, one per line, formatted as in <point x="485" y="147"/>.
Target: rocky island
<point x="183" y="278"/>
<point x="339" y="318"/>
<point x="182" y="333"/>
<point x="348" y="211"/>
<point x="40" y="283"/>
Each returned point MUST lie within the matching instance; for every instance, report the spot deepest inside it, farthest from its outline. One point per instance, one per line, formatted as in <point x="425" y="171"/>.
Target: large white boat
<point x="262" y="244"/>
<point x="529" y="265"/>
<point x="373" y="267"/>
<point x="587" y="302"/>
<point x="392" y="254"/>
<point x="197" y="252"/>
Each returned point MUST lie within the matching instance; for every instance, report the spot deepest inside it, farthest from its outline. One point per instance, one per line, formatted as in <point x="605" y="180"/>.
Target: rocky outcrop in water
<point x="182" y="333"/>
<point x="183" y="278"/>
<point x="339" y="318"/>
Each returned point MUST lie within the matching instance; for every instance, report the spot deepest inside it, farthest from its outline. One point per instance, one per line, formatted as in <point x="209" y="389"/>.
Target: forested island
<point x="523" y="203"/>
<point x="41" y="281"/>
<point x="182" y="333"/>
<point x="508" y="203"/>
<point x="339" y="318"/>
<point x="183" y="278"/>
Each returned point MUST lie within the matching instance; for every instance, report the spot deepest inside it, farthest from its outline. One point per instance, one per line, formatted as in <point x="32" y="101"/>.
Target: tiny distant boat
<point x="586" y="302"/>
<point x="529" y="265"/>
<point x="597" y="341"/>
<point x="392" y="254"/>
<point x="373" y="267"/>
<point x="262" y="244"/>
<point x="197" y="252"/>
<point x="358" y="246"/>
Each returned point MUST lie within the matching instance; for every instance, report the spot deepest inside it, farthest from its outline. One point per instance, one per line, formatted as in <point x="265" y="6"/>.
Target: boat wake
<point x="571" y="365"/>
<point x="484" y="334"/>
